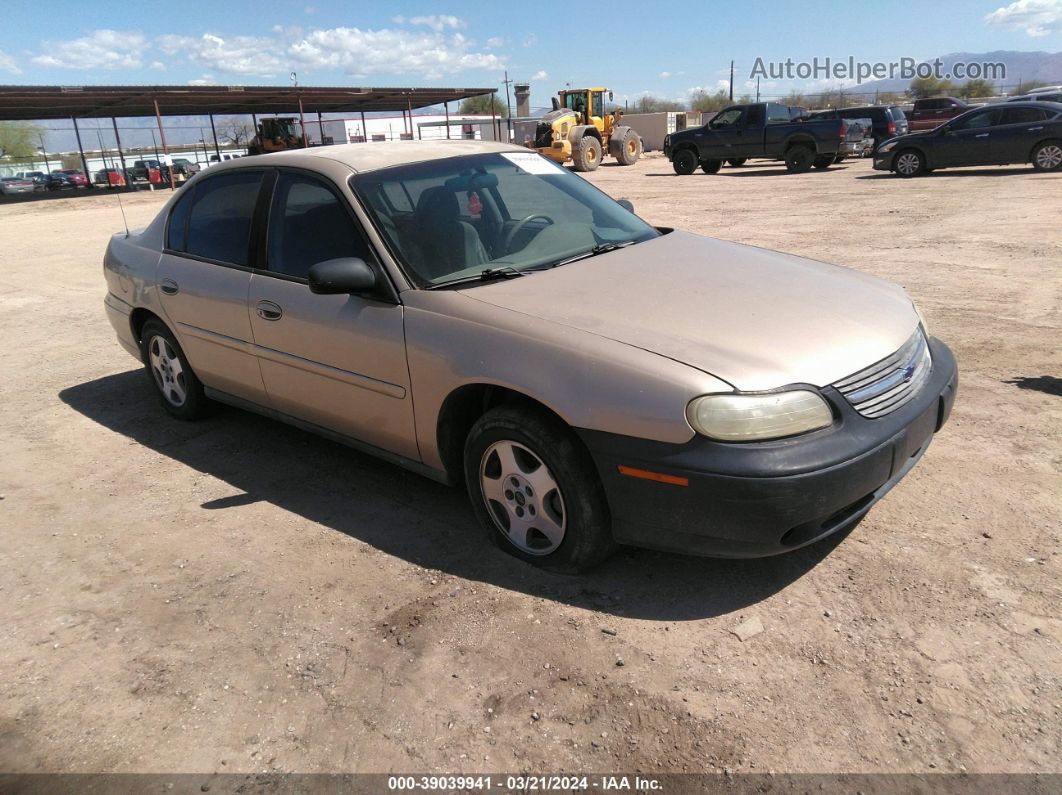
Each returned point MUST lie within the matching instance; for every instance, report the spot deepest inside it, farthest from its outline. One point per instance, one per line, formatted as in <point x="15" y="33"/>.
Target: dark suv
<point x="889" y="121"/>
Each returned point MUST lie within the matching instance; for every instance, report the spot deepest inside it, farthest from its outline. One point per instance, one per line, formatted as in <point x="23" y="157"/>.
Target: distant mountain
<point x="1021" y="66"/>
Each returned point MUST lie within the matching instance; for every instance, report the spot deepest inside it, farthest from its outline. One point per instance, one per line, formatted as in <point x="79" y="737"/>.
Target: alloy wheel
<point x="167" y="371"/>
<point x="522" y="497"/>
<point x="908" y="163"/>
<point x="1049" y="157"/>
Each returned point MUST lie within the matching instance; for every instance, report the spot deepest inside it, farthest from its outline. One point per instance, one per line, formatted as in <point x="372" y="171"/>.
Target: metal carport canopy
<point x="20" y="103"/>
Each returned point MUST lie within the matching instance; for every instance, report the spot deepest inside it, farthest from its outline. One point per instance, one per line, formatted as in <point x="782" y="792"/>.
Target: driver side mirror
<point x="626" y="204"/>
<point x="344" y="275"/>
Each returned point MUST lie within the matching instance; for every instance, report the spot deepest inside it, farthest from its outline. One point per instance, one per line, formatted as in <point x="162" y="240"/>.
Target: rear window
<point x="897" y="114"/>
<point x="1022" y="115"/>
<point x="219" y="221"/>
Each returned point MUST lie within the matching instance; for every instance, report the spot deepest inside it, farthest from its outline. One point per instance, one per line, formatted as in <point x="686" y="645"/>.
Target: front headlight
<point x="921" y="318"/>
<point x="888" y="146"/>
<point x="748" y="418"/>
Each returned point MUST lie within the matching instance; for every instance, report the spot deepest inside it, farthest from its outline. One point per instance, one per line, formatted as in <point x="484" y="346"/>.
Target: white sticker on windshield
<point x="532" y="163"/>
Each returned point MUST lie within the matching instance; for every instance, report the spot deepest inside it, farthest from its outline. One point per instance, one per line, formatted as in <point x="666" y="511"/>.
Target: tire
<point x="586" y="154"/>
<point x="824" y="161"/>
<point x="684" y="161"/>
<point x="628" y="148"/>
<point x="514" y="443"/>
<point x="909" y="163"/>
<point x="737" y="161"/>
<point x="711" y="166"/>
<point x="799" y="159"/>
<point x="177" y="387"/>
<point x="1047" y="156"/>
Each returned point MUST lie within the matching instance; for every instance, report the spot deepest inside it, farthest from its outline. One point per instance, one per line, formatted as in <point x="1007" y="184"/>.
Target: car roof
<point x="372" y="155"/>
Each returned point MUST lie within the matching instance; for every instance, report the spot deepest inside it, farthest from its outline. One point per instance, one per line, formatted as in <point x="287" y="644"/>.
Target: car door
<point x="204" y="275"/>
<point x="1019" y="129"/>
<point x="723" y="134"/>
<point x="337" y="361"/>
<point x="966" y="141"/>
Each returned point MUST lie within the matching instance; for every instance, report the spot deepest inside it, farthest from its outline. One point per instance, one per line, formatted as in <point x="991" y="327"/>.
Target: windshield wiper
<point x="600" y="248"/>
<point x="488" y="275"/>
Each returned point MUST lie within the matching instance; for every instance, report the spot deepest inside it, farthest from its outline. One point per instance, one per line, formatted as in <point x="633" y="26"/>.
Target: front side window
<point x="505" y="210"/>
<point x="976" y="121"/>
<point x="727" y="118"/>
<point x="219" y="223"/>
<point x="309" y="223"/>
<point x="599" y="104"/>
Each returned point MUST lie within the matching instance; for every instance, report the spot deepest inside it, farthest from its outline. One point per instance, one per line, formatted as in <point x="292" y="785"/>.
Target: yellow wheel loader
<point x="275" y="135"/>
<point x="579" y="129"/>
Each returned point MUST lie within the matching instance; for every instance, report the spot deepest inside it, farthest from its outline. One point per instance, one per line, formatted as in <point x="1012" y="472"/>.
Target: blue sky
<point x="663" y="48"/>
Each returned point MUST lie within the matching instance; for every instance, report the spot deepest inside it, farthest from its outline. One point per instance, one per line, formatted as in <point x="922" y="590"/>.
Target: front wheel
<point x="910" y="163"/>
<point x="799" y="159"/>
<point x="587" y="153"/>
<point x="684" y="162"/>
<point x="824" y="161"/>
<point x="711" y="166"/>
<point x="178" y="388"/>
<point x="1047" y="156"/>
<point x="535" y="490"/>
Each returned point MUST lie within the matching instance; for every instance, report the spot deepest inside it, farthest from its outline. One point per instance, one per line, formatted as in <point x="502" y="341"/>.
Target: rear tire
<point x="711" y="166"/>
<point x="177" y="387"/>
<point x="1047" y="156"/>
<point x="909" y="163"/>
<point x="535" y="490"/>
<point x="737" y="161"/>
<point x="586" y="154"/>
<point x="799" y="159"/>
<point x="824" y="161"/>
<point x="628" y="148"/>
<point x="684" y="162"/>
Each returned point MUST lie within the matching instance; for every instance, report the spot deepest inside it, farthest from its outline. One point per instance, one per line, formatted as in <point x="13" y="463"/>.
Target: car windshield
<point x="451" y="219"/>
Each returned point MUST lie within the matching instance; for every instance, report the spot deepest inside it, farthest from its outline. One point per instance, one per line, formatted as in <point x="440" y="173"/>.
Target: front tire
<point x="1047" y="156"/>
<point x="177" y="387"/>
<point x="684" y="162"/>
<point x="799" y="159"/>
<point x="909" y="163"/>
<point x="824" y="161"/>
<point x="586" y="154"/>
<point x="737" y="161"/>
<point x="535" y="490"/>
<point x="711" y="166"/>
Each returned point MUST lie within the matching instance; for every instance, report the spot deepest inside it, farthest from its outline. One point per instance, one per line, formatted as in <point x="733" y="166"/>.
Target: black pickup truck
<point x="763" y="130"/>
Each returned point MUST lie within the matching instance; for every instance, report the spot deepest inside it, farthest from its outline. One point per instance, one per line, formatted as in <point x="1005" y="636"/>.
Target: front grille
<point x="885" y="386"/>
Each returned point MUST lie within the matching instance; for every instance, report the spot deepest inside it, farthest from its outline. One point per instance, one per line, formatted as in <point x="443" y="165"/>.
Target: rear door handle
<point x="267" y="310"/>
<point x="169" y="286"/>
<point x="1034" y="129"/>
<point x="982" y="135"/>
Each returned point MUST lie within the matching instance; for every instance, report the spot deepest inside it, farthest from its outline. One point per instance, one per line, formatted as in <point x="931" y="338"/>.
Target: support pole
<point x="44" y="151"/>
<point x="118" y="143"/>
<point x="494" y="118"/>
<point x="81" y="151"/>
<point x="214" y="132"/>
<point x="364" y="128"/>
<point x="320" y="126"/>
<point x="162" y="135"/>
<point x="409" y="107"/>
<point x="302" y="123"/>
<point x="446" y="107"/>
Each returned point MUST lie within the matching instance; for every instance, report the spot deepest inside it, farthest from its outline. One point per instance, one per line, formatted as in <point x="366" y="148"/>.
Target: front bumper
<point x="765" y="498"/>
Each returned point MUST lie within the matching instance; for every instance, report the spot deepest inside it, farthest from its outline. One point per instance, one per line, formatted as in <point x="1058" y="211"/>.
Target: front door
<point x="204" y="278"/>
<point x="337" y="361"/>
<point x="966" y="141"/>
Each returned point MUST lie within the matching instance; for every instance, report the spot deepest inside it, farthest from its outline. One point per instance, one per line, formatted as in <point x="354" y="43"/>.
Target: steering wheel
<point x="509" y="238"/>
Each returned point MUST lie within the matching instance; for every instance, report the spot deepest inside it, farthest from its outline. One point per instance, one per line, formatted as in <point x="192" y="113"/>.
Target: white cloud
<point x="389" y="51"/>
<point x="158" y="66"/>
<point x="666" y="75"/>
<point x="1036" y="17"/>
<point x="494" y="42"/>
<point x="205" y="80"/>
<point x="541" y="74"/>
<point x="7" y="64"/>
<point x="437" y="22"/>
<point x="101" y="49"/>
<point x="241" y="55"/>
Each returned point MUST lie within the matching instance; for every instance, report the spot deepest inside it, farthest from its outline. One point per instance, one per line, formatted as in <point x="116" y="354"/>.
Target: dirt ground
<point x="236" y="595"/>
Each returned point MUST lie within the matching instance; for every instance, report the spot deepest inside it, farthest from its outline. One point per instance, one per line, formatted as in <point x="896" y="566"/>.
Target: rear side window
<point x="309" y="223"/>
<point x="177" y="229"/>
<point x="777" y="114"/>
<point x="1022" y="115"/>
<point x="219" y="224"/>
<point x="754" y="116"/>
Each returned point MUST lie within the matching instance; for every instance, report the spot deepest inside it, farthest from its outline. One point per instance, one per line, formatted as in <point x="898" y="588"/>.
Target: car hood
<point x="755" y="318"/>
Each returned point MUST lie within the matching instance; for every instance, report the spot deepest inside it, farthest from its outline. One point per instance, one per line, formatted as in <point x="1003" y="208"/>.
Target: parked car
<point x="141" y="170"/>
<point x="888" y="121"/>
<point x="474" y="312"/>
<point x="1051" y="95"/>
<point x="58" y="181"/>
<point x="12" y="185"/>
<point x="78" y="179"/>
<point x="111" y="177"/>
<point x="30" y="174"/>
<point x="863" y="125"/>
<point x="763" y="129"/>
<point x="184" y="167"/>
<point x="1026" y="132"/>
<point x="934" y="111"/>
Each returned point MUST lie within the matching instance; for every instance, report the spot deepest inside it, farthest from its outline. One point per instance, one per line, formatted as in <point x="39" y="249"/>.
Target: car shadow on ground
<point x="413" y="518"/>
<point x="742" y="171"/>
<point x="1047" y="384"/>
<point x="961" y="172"/>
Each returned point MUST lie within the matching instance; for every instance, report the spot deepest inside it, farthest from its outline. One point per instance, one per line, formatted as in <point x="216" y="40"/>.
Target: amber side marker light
<point x="659" y="477"/>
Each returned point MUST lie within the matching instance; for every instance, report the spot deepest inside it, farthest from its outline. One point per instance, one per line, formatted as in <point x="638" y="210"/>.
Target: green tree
<point x="647" y="103"/>
<point x="708" y="103"/>
<point x="481" y="106"/>
<point x="977" y="88"/>
<point x="922" y="87"/>
<point x="19" y="140"/>
<point x="1026" y="86"/>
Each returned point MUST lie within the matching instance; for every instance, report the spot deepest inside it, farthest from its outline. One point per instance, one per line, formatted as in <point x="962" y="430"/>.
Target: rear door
<point x="1019" y="129"/>
<point x="204" y="275"/>
<point x="337" y="361"/>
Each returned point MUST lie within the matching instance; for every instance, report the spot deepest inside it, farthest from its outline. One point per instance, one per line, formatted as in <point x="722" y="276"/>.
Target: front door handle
<point x="169" y="286"/>
<point x="1034" y="129"/>
<point x="267" y="310"/>
<point x="982" y="135"/>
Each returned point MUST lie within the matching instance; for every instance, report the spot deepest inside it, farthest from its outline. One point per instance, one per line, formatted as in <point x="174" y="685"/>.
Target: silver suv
<point x="478" y="314"/>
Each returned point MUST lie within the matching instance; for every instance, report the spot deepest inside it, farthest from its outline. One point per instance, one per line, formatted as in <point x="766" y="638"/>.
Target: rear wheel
<point x="684" y="161"/>
<point x="1047" y="156"/>
<point x="824" y="161"/>
<point x="909" y="163"/>
<point x="178" y="388"/>
<point x="629" y="148"/>
<point x="737" y="161"/>
<point x="711" y="166"/>
<point x="535" y="490"/>
<point x="800" y="159"/>
<point x="587" y="153"/>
